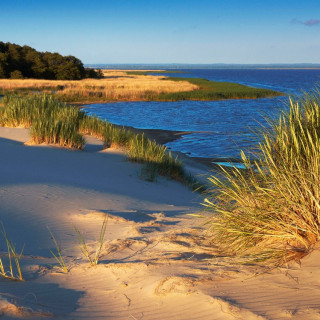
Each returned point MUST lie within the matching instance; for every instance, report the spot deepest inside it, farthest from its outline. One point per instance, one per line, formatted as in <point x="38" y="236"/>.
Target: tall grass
<point x="138" y="148"/>
<point x="141" y="149"/>
<point x="271" y="211"/>
<point x="51" y="121"/>
<point x="54" y="122"/>
<point x="113" y="136"/>
<point x="116" y="86"/>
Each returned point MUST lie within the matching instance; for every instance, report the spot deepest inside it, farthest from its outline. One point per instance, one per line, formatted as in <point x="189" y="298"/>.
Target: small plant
<point x="93" y="260"/>
<point x="12" y="256"/>
<point x="58" y="256"/>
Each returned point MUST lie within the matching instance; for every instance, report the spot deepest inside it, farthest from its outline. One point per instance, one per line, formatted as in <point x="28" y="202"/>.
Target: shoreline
<point x="162" y="136"/>
<point x="80" y="104"/>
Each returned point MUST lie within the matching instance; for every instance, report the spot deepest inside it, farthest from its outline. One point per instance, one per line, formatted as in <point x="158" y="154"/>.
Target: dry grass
<point x="123" y="72"/>
<point x="116" y="85"/>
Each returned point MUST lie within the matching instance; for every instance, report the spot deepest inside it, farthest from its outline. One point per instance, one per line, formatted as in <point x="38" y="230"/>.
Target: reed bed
<point x="116" y="86"/>
<point x="54" y="122"/>
<point x="270" y="212"/>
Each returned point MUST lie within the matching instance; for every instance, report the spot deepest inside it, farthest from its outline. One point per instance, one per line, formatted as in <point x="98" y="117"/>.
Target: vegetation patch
<point x="50" y="120"/>
<point x="215" y="90"/>
<point x="271" y="211"/>
<point x="54" y="122"/>
<point x="117" y="85"/>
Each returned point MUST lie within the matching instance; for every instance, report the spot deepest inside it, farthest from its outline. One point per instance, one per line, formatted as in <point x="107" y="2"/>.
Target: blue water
<point x="222" y="128"/>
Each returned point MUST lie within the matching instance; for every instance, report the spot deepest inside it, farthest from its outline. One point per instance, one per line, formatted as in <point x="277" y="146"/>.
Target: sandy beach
<point x="156" y="262"/>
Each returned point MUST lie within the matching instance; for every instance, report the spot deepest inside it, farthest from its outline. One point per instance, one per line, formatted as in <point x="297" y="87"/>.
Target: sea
<point x="220" y="129"/>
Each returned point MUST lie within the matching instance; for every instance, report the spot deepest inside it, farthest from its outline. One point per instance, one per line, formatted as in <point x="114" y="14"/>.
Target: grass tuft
<point x="270" y="212"/>
<point x="58" y="255"/>
<point x="93" y="259"/>
<point x="51" y="121"/>
<point x="13" y="259"/>
<point x="54" y="122"/>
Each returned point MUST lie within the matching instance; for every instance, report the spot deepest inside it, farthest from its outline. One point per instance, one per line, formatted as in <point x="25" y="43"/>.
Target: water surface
<point x="222" y="128"/>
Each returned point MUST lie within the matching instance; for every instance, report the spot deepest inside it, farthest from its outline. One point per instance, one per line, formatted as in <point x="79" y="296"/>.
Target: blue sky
<point x="162" y="31"/>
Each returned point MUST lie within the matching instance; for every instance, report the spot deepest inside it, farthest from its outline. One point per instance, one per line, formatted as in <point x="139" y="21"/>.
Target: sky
<point x="167" y="31"/>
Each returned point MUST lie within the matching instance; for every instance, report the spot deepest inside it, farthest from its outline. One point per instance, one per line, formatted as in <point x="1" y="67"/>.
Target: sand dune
<point x="155" y="262"/>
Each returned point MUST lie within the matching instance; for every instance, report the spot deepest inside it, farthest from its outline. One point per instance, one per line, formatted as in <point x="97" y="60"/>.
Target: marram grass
<point x="54" y="122"/>
<point x="270" y="212"/>
<point x="58" y="255"/>
<point x="50" y="120"/>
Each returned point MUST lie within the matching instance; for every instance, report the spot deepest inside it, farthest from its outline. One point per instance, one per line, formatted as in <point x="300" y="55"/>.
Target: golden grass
<point x="116" y="85"/>
<point x="123" y="72"/>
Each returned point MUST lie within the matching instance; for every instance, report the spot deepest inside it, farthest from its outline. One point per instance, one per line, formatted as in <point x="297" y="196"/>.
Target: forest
<point x="20" y="62"/>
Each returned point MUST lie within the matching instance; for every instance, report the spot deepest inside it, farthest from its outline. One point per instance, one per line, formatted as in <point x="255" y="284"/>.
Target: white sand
<point x="152" y="265"/>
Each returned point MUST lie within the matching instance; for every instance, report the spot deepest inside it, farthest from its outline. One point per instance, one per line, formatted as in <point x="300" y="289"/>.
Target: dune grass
<point x="50" y="121"/>
<point x="93" y="259"/>
<point x="270" y="212"/>
<point x="54" y="122"/>
<point x="138" y="149"/>
<point x="13" y="260"/>
<point x="58" y="255"/>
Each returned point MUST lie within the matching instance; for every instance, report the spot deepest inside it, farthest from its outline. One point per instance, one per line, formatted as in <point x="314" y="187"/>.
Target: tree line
<point x="18" y="62"/>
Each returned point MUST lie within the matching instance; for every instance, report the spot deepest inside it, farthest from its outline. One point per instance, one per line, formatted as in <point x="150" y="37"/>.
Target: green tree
<point x="25" y="62"/>
<point x="16" y="74"/>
